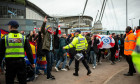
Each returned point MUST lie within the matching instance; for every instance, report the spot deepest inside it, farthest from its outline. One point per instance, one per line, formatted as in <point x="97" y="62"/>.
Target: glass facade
<point x="11" y="12"/>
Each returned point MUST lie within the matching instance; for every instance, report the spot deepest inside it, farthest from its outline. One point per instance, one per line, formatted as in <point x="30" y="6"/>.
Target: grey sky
<point x="75" y="7"/>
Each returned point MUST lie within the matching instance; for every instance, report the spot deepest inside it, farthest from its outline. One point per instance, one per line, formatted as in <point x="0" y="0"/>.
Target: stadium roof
<point x="74" y="17"/>
<point x="30" y="4"/>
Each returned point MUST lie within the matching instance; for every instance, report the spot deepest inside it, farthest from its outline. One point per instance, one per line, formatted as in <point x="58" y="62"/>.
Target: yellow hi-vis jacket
<point x="136" y="55"/>
<point x="14" y="43"/>
<point x="80" y="43"/>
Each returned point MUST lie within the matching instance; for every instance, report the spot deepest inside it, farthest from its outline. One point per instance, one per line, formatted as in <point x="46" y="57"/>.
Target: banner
<point x="106" y="41"/>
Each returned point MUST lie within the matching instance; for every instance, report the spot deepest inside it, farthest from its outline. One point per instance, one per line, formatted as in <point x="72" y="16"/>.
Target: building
<point x="70" y="23"/>
<point x="25" y="12"/>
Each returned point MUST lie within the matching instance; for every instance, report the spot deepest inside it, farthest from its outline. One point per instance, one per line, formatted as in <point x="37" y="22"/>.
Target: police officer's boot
<point x="89" y="72"/>
<point x="76" y="73"/>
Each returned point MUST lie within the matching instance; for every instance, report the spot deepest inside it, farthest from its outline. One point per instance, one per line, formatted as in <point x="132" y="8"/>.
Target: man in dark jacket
<point x="113" y="50"/>
<point x="48" y="46"/>
<point x="122" y="45"/>
<point x="62" y="53"/>
<point x="94" y="49"/>
<point x="56" y="46"/>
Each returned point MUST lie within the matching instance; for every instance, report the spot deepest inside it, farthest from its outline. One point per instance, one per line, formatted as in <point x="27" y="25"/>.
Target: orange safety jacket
<point x="138" y="33"/>
<point x="130" y="43"/>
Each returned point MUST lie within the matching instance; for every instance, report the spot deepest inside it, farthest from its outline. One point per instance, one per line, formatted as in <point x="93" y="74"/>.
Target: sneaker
<point x="38" y="73"/>
<point x="51" y="78"/>
<point x="113" y="63"/>
<point x="93" y="67"/>
<point x="64" y="69"/>
<point x="56" y="69"/>
<point x="68" y="67"/>
<point x="36" y="76"/>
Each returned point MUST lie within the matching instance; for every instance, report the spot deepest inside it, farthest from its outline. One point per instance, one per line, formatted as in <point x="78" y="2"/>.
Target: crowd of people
<point x="55" y="49"/>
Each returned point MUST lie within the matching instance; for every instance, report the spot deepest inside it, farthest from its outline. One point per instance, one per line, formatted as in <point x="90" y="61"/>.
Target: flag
<point x="59" y="30"/>
<point x="72" y="34"/>
<point x="33" y="48"/>
<point x="3" y="32"/>
<point x="117" y="54"/>
<point x="106" y="41"/>
<point x="68" y="55"/>
<point x="42" y="63"/>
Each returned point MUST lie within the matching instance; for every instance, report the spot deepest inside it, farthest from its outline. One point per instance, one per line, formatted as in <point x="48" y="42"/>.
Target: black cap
<point x="13" y="23"/>
<point x="78" y="31"/>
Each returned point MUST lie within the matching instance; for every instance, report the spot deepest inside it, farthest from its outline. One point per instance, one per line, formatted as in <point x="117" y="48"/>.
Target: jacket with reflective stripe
<point x="136" y="55"/>
<point x="129" y="44"/>
<point x="80" y="43"/>
<point x="14" y="43"/>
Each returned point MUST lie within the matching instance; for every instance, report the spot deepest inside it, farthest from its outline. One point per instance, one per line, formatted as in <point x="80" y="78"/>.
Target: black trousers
<point x="15" y="68"/>
<point x="112" y="55"/>
<point x="100" y="54"/>
<point x="131" y="65"/>
<point x="84" y="63"/>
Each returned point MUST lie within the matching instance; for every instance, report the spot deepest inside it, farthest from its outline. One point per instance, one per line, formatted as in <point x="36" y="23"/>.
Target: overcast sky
<point x="75" y="7"/>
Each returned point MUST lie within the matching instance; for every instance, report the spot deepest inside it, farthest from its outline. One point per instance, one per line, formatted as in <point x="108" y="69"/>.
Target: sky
<point x="114" y="17"/>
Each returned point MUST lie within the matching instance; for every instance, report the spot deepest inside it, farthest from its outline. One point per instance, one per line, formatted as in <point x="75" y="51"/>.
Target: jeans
<point x="93" y="57"/>
<point x="71" y="60"/>
<point x="49" y="58"/>
<point x="88" y="57"/>
<point x="56" y="58"/>
<point x="61" y="59"/>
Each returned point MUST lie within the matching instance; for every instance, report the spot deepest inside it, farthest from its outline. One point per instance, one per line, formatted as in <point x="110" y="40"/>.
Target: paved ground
<point x="120" y="79"/>
<point x="98" y="76"/>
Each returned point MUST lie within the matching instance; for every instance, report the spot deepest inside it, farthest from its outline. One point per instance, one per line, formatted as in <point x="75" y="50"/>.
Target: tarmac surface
<point x="119" y="78"/>
<point x="99" y="75"/>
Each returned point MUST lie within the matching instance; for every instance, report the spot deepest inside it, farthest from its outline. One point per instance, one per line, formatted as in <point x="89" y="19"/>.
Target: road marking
<point x="114" y="75"/>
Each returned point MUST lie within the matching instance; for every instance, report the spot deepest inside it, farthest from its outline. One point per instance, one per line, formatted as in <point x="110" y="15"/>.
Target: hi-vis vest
<point x="80" y="43"/>
<point x="129" y="44"/>
<point x="136" y="55"/>
<point x="14" y="43"/>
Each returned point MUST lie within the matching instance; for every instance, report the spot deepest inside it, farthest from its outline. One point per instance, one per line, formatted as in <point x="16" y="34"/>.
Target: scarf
<point x="51" y="32"/>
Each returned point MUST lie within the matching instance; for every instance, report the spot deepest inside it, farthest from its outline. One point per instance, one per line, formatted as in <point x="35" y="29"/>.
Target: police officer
<point x="80" y="43"/>
<point x="13" y="47"/>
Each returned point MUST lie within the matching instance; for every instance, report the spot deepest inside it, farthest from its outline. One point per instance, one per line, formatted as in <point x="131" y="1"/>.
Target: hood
<point x="129" y="32"/>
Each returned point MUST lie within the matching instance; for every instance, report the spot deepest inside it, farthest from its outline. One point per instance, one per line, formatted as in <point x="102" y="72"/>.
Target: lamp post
<point x="132" y="21"/>
<point x="126" y="13"/>
<point x="79" y="19"/>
